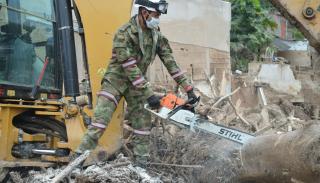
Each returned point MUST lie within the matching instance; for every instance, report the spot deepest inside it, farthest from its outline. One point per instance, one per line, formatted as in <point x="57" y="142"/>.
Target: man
<point x="135" y="46"/>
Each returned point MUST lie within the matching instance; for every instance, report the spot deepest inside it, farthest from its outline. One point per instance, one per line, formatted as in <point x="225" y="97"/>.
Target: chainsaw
<point x="181" y="113"/>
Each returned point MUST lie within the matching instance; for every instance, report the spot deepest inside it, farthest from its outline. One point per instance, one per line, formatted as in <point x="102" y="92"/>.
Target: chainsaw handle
<point x="187" y="104"/>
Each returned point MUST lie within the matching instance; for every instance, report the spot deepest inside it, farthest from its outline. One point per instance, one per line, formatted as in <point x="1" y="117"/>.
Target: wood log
<point x="282" y="158"/>
<point x="74" y="164"/>
<point x="16" y="177"/>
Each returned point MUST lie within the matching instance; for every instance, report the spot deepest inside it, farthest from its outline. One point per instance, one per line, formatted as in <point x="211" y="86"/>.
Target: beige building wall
<point x="203" y="23"/>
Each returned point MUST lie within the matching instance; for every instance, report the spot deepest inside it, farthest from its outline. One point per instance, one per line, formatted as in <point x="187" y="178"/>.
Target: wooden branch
<point x="176" y="165"/>
<point x="263" y="130"/>
<point x="74" y="164"/>
<point x="129" y="153"/>
<point x="239" y="115"/>
<point x="224" y="98"/>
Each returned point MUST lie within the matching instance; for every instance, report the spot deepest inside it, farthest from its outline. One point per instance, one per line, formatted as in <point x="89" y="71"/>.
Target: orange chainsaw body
<point x="170" y="101"/>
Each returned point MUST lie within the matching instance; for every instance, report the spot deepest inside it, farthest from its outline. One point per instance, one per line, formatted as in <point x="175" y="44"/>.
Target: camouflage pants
<point x="106" y="105"/>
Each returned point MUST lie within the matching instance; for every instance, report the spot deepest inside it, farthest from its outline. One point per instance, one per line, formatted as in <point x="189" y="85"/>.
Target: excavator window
<point x="27" y="38"/>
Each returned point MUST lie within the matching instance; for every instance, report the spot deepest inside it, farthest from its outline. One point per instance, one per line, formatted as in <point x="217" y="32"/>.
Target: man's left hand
<point x="154" y="101"/>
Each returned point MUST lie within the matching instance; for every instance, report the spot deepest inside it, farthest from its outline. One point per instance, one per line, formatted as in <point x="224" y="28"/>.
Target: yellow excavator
<point x="43" y="114"/>
<point x="303" y="14"/>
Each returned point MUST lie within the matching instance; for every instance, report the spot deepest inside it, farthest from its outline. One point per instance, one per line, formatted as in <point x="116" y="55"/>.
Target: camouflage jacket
<point x="133" y="51"/>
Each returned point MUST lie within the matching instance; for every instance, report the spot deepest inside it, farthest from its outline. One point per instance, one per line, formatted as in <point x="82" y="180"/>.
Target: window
<point x="27" y="34"/>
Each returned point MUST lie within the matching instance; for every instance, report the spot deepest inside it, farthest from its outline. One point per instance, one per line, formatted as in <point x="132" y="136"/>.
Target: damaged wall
<point x="298" y="84"/>
<point x="199" y="33"/>
<point x="280" y="77"/>
<point x="296" y="58"/>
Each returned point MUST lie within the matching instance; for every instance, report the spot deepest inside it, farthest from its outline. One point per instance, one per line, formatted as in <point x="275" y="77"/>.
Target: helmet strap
<point x="145" y="19"/>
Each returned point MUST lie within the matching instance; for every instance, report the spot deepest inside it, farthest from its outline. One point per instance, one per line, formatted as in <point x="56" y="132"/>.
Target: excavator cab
<point x="28" y="36"/>
<point x="42" y="54"/>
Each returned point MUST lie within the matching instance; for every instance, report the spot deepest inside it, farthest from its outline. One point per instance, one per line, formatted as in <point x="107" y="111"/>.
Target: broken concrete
<point x="280" y="77"/>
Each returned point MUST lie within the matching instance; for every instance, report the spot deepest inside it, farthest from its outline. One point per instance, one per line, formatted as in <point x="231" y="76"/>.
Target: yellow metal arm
<point x="305" y="15"/>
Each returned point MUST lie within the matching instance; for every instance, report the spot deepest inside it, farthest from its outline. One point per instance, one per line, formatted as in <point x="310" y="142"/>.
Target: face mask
<point x="153" y="23"/>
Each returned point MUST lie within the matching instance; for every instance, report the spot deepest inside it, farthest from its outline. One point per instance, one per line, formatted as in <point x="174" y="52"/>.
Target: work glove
<point x="154" y="102"/>
<point x="192" y="97"/>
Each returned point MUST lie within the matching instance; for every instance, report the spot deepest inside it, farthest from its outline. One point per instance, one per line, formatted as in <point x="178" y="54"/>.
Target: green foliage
<point x="297" y="35"/>
<point x="241" y="64"/>
<point x="251" y="31"/>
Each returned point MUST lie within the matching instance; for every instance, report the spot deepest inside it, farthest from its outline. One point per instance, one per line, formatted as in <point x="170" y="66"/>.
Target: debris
<point x="146" y="178"/>
<point x="239" y="115"/>
<point x="181" y="156"/>
<point x="289" y="108"/>
<point x="16" y="178"/>
<point x="71" y="167"/>
<point x="120" y="170"/>
<point x="175" y="165"/>
<point x="225" y="97"/>
<point x="3" y="173"/>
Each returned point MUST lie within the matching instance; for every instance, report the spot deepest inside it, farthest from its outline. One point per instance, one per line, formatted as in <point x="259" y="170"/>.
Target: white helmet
<point x="160" y="6"/>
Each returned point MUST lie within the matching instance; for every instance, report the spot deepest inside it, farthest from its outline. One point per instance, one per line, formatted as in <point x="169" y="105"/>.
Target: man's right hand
<point x="154" y="102"/>
<point x="192" y="97"/>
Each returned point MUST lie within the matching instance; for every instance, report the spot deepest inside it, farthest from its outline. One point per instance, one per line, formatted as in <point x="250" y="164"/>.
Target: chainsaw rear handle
<point x="188" y="102"/>
<point x="186" y="105"/>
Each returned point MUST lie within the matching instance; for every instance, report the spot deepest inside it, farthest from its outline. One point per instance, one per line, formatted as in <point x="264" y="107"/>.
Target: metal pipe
<point x="262" y="96"/>
<point x="44" y="151"/>
<point x="67" y="47"/>
<point x="84" y="53"/>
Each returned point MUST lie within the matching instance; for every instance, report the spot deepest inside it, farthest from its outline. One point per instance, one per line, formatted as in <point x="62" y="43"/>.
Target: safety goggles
<point x="161" y="7"/>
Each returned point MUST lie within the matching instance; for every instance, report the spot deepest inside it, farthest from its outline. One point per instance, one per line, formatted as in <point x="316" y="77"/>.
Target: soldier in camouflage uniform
<point x="135" y="46"/>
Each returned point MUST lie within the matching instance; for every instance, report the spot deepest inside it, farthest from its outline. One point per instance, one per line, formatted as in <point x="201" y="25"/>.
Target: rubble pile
<point x="179" y="155"/>
<point x="180" y="152"/>
<point x="120" y="170"/>
<point x="279" y="114"/>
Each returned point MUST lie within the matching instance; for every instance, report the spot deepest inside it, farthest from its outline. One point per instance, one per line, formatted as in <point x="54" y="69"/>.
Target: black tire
<point x="31" y="123"/>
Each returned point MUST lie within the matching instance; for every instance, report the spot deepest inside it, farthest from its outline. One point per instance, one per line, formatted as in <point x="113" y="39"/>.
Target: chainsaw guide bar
<point x="188" y="119"/>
